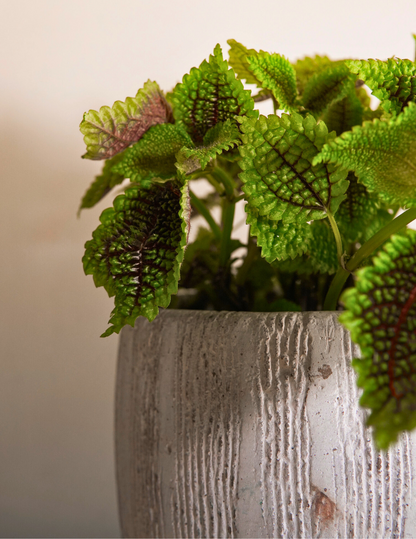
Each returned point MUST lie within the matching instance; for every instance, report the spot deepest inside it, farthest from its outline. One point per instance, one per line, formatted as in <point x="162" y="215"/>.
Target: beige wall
<point x="58" y="59"/>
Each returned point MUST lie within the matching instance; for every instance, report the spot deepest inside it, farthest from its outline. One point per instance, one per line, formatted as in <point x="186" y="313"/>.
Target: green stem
<point x="221" y="176"/>
<point x="204" y="211"/>
<point x="227" y="224"/>
<point x="337" y="235"/>
<point x="251" y="256"/>
<point x="363" y="252"/>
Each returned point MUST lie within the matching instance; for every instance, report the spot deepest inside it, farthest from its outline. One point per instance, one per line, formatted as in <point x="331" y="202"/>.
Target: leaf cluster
<point x="321" y="180"/>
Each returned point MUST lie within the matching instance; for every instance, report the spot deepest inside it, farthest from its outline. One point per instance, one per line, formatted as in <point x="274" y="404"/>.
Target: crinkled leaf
<point x="307" y="67"/>
<point x="239" y="63"/>
<point x="208" y="95"/>
<point x="321" y="255"/>
<point x="382" y="154"/>
<point x="112" y="129"/>
<point x="357" y="212"/>
<point x="279" y="178"/>
<point x="221" y="137"/>
<point x="344" y="114"/>
<point x="393" y="81"/>
<point x="278" y="241"/>
<point x="136" y="252"/>
<point x="154" y="155"/>
<point x="322" y="249"/>
<point x="381" y="218"/>
<point x="381" y="316"/>
<point x="325" y="87"/>
<point x="102" y="183"/>
<point x="276" y="74"/>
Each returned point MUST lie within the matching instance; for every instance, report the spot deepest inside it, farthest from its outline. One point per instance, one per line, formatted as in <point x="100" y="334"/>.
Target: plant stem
<point x="220" y="175"/>
<point x="204" y="211"/>
<point x="363" y="252"/>
<point x="227" y="227"/>
<point x="251" y="256"/>
<point x="337" y="235"/>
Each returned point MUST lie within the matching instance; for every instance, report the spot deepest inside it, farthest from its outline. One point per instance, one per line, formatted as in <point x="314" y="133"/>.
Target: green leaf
<point x="154" y="155"/>
<point x="279" y="178"/>
<point x="208" y="95"/>
<point x="393" y="81"/>
<point x="278" y="241"/>
<point x="276" y="74"/>
<point x="307" y="67"/>
<point x="381" y="315"/>
<point x="381" y="218"/>
<point x="221" y="137"/>
<point x="322" y="249"/>
<point x="111" y="130"/>
<point x="344" y="114"/>
<point x="382" y="154"/>
<point x="239" y="63"/>
<point x="325" y="87"/>
<point x="136" y="252"/>
<point x="102" y="183"/>
<point x="357" y="212"/>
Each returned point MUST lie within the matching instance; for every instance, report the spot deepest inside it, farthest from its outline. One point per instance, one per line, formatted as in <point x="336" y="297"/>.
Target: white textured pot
<point x="247" y="425"/>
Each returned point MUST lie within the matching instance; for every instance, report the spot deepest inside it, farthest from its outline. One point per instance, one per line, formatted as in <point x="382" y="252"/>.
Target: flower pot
<point x="248" y="425"/>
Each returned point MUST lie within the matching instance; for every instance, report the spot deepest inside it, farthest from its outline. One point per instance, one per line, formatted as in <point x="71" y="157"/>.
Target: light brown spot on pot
<point x="325" y="371"/>
<point x="323" y="508"/>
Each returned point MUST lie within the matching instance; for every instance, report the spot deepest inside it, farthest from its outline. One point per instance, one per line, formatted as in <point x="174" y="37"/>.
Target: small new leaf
<point x="382" y="154"/>
<point x="112" y="129"/>
<point x="357" y="212"/>
<point x="276" y="74"/>
<point x="102" y="183"/>
<point x="239" y="63"/>
<point x="322" y="89"/>
<point x="381" y="315"/>
<point x="393" y="81"/>
<point x="279" y="178"/>
<point x="278" y="241"/>
<point x="344" y="114"/>
<point x="221" y="137"/>
<point x="154" y="155"/>
<point x="208" y="95"/>
<point x="307" y="67"/>
<point x="136" y="252"/>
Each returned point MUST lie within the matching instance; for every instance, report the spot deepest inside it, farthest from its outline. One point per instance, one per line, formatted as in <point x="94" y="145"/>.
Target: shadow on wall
<point x="57" y="383"/>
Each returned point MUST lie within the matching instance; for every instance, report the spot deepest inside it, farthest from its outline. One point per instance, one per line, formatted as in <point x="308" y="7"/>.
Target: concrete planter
<point x="247" y="425"/>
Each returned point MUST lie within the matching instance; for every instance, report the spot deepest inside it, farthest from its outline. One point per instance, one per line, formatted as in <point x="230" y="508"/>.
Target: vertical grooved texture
<point x="247" y="425"/>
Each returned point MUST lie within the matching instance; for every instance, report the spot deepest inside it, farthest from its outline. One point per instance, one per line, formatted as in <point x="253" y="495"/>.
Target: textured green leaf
<point x="221" y="137"/>
<point x="239" y="63"/>
<point x="102" y="183"/>
<point x="344" y="114"/>
<point x="381" y="218"/>
<point x="278" y="241"/>
<point x="112" y="129"/>
<point x="393" y="81"/>
<point x="322" y="249"/>
<point x="321" y="252"/>
<point x="381" y="315"/>
<point x="306" y="67"/>
<point x="279" y="178"/>
<point x="382" y="154"/>
<point x="208" y="95"/>
<point x="136" y="252"/>
<point x="357" y="212"/>
<point x="325" y="87"/>
<point x="276" y="74"/>
<point x="154" y="155"/>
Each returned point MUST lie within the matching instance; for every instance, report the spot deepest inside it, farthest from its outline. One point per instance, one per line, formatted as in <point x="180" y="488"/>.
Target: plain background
<point x="59" y="58"/>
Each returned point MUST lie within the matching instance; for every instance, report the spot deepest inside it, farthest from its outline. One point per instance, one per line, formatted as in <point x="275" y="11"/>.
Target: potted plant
<point x="323" y="179"/>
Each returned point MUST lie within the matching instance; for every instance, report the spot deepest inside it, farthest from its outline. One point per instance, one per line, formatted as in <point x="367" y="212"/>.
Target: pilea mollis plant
<point x="322" y="178"/>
